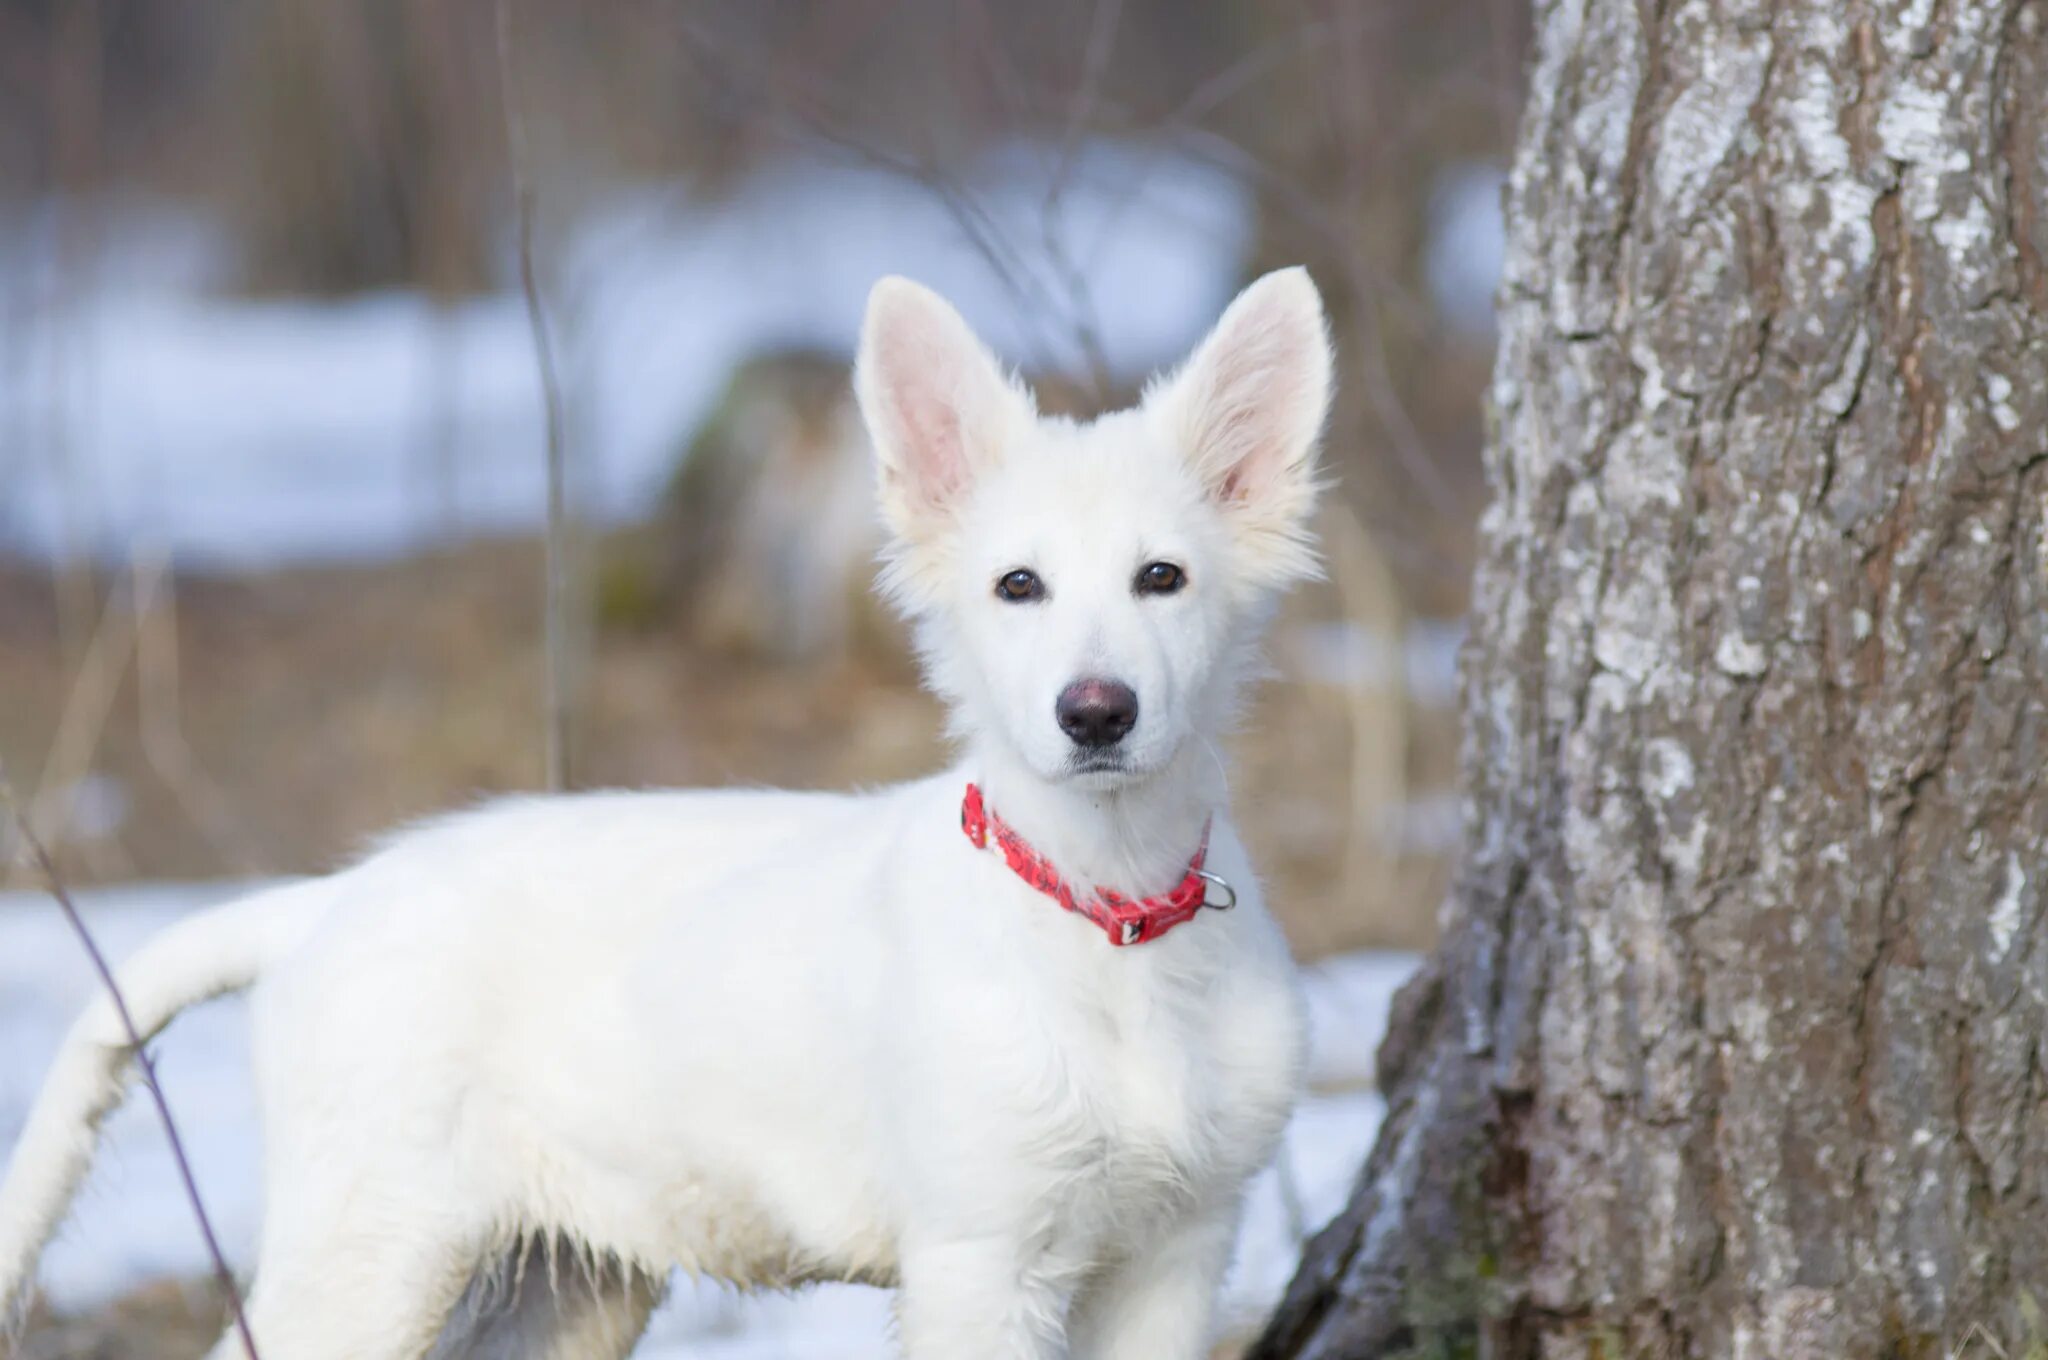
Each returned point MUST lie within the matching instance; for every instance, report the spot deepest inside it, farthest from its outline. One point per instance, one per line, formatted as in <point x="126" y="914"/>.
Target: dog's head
<point x="1087" y="593"/>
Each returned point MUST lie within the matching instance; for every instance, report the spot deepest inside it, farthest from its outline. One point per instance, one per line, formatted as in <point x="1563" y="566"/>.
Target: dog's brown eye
<point x="1161" y="578"/>
<point x="1019" y="586"/>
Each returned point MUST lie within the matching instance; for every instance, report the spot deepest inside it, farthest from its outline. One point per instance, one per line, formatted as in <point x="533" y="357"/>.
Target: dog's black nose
<point x="1097" y="712"/>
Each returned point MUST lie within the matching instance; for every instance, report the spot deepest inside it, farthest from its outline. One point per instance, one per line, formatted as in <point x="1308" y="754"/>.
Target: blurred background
<point x="272" y="426"/>
<point x="271" y="437"/>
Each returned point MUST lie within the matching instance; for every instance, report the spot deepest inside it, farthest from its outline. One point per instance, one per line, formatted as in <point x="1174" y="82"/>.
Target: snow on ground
<point x="1467" y="243"/>
<point x="145" y="409"/>
<point x="131" y="1223"/>
<point x="1423" y="658"/>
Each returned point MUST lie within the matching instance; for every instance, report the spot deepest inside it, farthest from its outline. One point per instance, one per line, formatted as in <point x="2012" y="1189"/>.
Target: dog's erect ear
<point x="1247" y="410"/>
<point x="937" y="405"/>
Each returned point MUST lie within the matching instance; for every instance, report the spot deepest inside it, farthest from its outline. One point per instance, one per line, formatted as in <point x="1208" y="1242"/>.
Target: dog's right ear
<point x="937" y="405"/>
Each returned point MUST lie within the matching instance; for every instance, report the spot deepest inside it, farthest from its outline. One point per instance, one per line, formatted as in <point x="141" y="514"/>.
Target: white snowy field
<point x="149" y="409"/>
<point x="131" y="1223"/>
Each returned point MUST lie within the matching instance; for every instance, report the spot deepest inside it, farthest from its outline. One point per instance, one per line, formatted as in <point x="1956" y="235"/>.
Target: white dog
<point x="1011" y="1039"/>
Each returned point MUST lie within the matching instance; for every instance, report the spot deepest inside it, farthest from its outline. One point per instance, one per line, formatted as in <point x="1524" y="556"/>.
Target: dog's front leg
<point x="983" y="1298"/>
<point x="1159" y="1302"/>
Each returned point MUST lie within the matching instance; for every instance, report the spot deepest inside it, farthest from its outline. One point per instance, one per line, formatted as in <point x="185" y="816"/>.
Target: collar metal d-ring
<point x="1217" y="881"/>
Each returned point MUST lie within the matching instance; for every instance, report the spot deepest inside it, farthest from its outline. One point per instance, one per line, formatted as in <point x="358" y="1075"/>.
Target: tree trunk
<point x="1733" y="1045"/>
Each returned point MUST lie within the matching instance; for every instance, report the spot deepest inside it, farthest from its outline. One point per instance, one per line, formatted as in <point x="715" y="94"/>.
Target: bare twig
<point x="1507" y="82"/>
<point x="1010" y="87"/>
<point x="157" y="688"/>
<point x="1381" y="392"/>
<point x="554" y="608"/>
<point x="1102" y="28"/>
<point x="1371" y="602"/>
<point x="812" y="113"/>
<point x="43" y="861"/>
<point x="983" y="233"/>
<point x="86" y="708"/>
<point x="77" y="94"/>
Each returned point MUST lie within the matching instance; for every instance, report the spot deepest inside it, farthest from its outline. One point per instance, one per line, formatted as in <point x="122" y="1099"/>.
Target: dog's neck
<point x="1136" y="837"/>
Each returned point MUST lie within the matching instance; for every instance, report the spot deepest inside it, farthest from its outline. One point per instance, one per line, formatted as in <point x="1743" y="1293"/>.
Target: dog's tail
<point x="209" y="954"/>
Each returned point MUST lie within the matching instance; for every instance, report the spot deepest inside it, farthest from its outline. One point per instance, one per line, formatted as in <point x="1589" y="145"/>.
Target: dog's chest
<point x="1166" y="1095"/>
<point x="1150" y="1089"/>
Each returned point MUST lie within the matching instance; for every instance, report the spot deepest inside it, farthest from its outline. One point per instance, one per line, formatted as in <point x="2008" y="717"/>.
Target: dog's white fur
<point x="781" y="1037"/>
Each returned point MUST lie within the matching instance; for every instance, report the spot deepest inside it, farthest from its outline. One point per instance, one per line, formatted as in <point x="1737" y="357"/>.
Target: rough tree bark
<point x="1734" y="1042"/>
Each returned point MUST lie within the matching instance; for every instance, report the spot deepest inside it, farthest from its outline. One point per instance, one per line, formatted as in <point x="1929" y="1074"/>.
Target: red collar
<point x="1125" y="920"/>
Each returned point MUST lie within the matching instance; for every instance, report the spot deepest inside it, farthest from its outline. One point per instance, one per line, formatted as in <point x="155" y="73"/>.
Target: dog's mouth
<point x="1100" y="769"/>
<point x="1106" y="768"/>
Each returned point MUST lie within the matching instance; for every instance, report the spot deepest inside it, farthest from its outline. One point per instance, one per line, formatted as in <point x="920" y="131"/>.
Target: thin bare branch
<point x="157" y="696"/>
<point x="1505" y="48"/>
<point x="807" y="114"/>
<point x="77" y="122"/>
<point x="1382" y="395"/>
<point x="87" y="705"/>
<point x="43" y="861"/>
<point x="555" y="606"/>
<point x="1102" y="27"/>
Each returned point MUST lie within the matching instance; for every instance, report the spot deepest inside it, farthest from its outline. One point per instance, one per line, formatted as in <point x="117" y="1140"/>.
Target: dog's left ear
<point x="1247" y="410"/>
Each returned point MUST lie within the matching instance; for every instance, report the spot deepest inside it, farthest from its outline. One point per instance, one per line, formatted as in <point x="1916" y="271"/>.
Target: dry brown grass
<point x="178" y="1320"/>
<point x="165" y="1320"/>
<point x="277" y="723"/>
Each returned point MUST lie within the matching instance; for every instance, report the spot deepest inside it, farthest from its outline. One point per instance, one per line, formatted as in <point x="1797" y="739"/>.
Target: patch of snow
<point x="1467" y="245"/>
<point x="96" y="806"/>
<point x="1426" y="824"/>
<point x="1425" y="657"/>
<point x="139" y="245"/>
<point x="131" y="1223"/>
<point x="1348" y="998"/>
<point x="243" y="433"/>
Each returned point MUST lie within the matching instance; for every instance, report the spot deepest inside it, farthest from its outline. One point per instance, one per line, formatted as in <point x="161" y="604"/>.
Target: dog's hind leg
<point x="548" y="1302"/>
<point x="374" y="1281"/>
